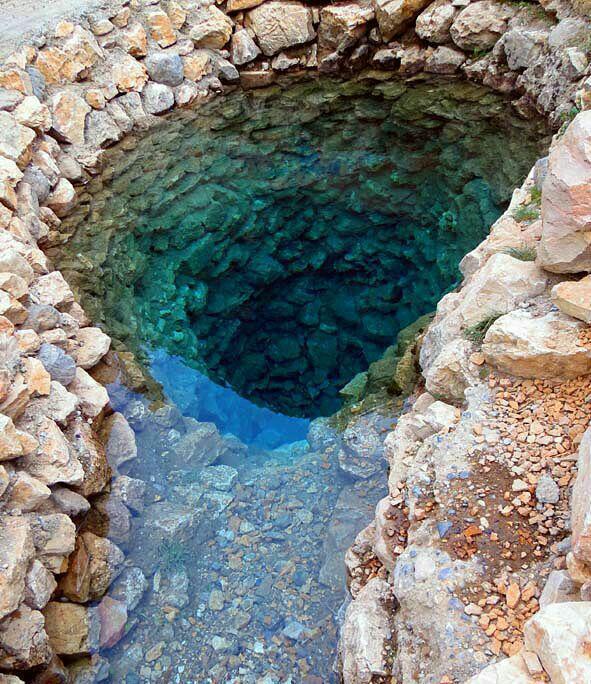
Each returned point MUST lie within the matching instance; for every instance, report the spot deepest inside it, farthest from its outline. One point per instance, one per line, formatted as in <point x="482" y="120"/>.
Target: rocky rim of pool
<point x="194" y="554"/>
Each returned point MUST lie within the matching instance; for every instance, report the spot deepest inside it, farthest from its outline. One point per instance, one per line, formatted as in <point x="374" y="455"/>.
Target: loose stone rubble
<point x="477" y="514"/>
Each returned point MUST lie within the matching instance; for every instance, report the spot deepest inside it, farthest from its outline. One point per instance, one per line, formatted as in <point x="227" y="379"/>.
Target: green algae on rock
<point x="280" y="239"/>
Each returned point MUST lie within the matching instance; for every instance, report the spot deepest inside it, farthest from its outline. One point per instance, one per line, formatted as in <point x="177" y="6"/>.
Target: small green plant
<point x="172" y="553"/>
<point x="566" y="118"/>
<point x="527" y="212"/>
<point x="477" y="332"/>
<point x="524" y="252"/>
<point x="536" y="195"/>
<point x="478" y="53"/>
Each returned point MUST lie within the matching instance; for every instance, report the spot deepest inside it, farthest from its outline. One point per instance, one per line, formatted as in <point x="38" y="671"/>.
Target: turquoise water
<point x="255" y="255"/>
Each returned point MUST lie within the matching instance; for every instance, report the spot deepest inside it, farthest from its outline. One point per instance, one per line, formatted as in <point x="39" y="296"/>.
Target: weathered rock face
<point x="434" y="23"/>
<point x="497" y="288"/>
<point x="280" y="24"/>
<point x="512" y="670"/>
<point x="367" y="623"/>
<point x="581" y="503"/>
<point x="537" y="347"/>
<point x="95" y="563"/>
<point x="452" y="371"/>
<point x="209" y="27"/>
<point x="480" y="25"/>
<point x="559" y="635"/>
<point x="566" y="202"/>
<point x="16" y="552"/>
<point x="574" y="298"/>
<point x="72" y="629"/>
<point x="23" y="641"/>
<point x="341" y="26"/>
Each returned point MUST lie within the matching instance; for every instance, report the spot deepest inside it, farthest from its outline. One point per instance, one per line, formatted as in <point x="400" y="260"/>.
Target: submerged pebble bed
<point x="256" y="255"/>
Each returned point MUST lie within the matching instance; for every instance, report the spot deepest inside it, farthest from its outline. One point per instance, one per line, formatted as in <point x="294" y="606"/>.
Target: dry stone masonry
<point x="478" y="518"/>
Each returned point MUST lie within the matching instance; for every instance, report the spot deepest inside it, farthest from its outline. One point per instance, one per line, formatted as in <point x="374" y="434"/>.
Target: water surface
<point x="255" y="255"/>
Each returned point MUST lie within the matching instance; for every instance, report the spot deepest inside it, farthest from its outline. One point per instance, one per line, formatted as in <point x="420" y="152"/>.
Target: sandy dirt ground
<point x="24" y="20"/>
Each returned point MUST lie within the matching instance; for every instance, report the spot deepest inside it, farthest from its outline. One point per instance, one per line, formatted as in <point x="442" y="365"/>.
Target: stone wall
<point x="83" y="87"/>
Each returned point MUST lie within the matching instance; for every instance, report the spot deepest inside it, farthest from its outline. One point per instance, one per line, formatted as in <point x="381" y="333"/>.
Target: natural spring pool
<point x="255" y="255"/>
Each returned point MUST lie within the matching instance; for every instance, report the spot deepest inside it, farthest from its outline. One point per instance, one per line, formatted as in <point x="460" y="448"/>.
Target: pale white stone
<point x="566" y="201"/>
<point x="547" y="346"/>
<point x="559" y="635"/>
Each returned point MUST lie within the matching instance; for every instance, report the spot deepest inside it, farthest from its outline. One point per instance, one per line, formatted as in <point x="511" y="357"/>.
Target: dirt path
<point x="22" y="20"/>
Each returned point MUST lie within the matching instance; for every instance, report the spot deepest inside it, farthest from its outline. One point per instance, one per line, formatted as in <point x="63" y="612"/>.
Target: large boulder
<point x="434" y="23"/>
<point x="92" y="396"/>
<point x="54" y="460"/>
<point x="90" y="452"/>
<point x="452" y="371"/>
<point x="40" y="585"/>
<point x="394" y="15"/>
<point x="523" y="46"/>
<point x="365" y="631"/>
<point x="95" y="563"/>
<point x="157" y="98"/>
<point x="243" y="50"/>
<point x="201" y="446"/>
<point x="23" y="641"/>
<point x="500" y="286"/>
<point x="164" y="67"/>
<point x="209" y="27"/>
<point x="119" y="440"/>
<point x="481" y="24"/>
<point x="445" y="60"/>
<point x="548" y="346"/>
<point x="559" y="588"/>
<point x="16" y="552"/>
<point x="129" y="74"/>
<point x="342" y="25"/>
<point x="510" y="670"/>
<point x="72" y="629"/>
<point x="574" y="298"/>
<point x="71" y="60"/>
<point x="69" y="112"/>
<point x="559" y="634"/>
<point x="10" y="442"/>
<point x="15" y="140"/>
<point x="280" y="24"/>
<point x="565" y="246"/>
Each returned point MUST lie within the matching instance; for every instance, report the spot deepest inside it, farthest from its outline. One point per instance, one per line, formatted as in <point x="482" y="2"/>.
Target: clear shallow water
<point x="256" y="255"/>
<point x="197" y="396"/>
